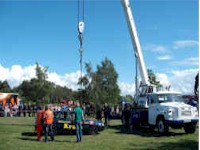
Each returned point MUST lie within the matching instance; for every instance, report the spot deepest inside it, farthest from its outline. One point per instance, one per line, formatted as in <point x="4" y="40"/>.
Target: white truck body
<point x="158" y="109"/>
<point x="162" y="110"/>
<point x="171" y="106"/>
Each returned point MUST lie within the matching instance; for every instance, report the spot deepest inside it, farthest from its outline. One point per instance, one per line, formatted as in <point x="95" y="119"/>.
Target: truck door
<point x="152" y="102"/>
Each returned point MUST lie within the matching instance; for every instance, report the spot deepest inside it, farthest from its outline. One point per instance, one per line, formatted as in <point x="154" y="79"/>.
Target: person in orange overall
<point x="48" y="118"/>
<point x="39" y="122"/>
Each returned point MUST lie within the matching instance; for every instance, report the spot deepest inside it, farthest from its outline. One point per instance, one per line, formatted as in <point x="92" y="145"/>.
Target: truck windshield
<point x="169" y="98"/>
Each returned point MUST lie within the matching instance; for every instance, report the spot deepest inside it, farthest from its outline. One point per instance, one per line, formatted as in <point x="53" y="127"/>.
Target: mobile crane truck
<point x="156" y="109"/>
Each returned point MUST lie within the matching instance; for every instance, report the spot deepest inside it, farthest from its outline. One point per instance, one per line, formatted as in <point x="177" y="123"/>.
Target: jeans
<point x="79" y="131"/>
<point x="48" y="130"/>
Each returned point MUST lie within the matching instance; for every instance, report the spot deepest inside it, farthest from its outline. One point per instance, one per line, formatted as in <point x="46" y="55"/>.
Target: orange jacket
<point x="48" y="115"/>
<point x="40" y="116"/>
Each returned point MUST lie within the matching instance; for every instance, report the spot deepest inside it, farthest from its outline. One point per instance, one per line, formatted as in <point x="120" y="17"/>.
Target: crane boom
<point x="135" y="41"/>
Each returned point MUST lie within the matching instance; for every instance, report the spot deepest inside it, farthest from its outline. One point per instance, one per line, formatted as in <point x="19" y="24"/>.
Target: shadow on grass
<point x="14" y="124"/>
<point x="181" y="144"/>
<point x="27" y="139"/>
<point x="29" y="134"/>
<point x="143" y="131"/>
<point x="57" y="134"/>
<point x="32" y="136"/>
<point x="57" y="141"/>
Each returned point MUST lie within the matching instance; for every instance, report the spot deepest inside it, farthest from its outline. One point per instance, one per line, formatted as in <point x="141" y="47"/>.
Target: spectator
<point x="24" y="110"/>
<point x="127" y="114"/>
<point x="48" y="117"/>
<point x="11" y="110"/>
<point x="19" y="110"/>
<point x="1" y="110"/>
<point x="33" y="110"/>
<point x="78" y="121"/>
<point x="98" y="113"/>
<point x="15" y="109"/>
<point x="106" y="111"/>
<point x="39" y="122"/>
<point x="6" y="110"/>
<point x="29" y="110"/>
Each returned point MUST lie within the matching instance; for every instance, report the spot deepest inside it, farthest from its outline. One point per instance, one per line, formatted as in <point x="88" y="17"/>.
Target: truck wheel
<point x="190" y="128"/>
<point x="162" y="126"/>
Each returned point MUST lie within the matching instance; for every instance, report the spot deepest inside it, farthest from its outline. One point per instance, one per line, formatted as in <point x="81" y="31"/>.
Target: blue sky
<point x="46" y="32"/>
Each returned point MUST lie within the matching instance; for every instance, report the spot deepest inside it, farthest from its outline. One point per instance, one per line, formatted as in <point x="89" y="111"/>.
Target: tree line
<point x="98" y="85"/>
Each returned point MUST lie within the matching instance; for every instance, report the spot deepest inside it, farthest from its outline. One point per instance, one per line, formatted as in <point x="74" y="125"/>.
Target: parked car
<point x="64" y="123"/>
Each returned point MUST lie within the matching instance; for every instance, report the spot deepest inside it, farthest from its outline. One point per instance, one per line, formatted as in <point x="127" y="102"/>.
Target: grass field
<point x="112" y="138"/>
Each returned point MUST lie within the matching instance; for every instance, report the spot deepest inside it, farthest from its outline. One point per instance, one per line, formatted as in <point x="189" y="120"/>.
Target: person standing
<point x="48" y="122"/>
<point x="79" y="117"/>
<point x="106" y="111"/>
<point x="39" y="122"/>
<point x="19" y="110"/>
<point x="127" y="115"/>
<point x="24" y="110"/>
<point x="29" y="110"/>
<point x="98" y="113"/>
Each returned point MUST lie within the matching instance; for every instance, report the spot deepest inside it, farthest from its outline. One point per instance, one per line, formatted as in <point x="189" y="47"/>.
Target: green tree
<point x="37" y="89"/>
<point x="85" y="94"/>
<point x="129" y="98"/>
<point x="4" y="87"/>
<point x="152" y="79"/>
<point x="102" y="85"/>
<point x="41" y="73"/>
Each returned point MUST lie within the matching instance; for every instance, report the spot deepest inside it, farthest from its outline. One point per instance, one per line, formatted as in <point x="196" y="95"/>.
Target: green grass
<point x="112" y="138"/>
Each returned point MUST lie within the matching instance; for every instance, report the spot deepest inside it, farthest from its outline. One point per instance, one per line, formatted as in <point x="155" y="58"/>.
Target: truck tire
<point x="190" y="128"/>
<point x="162" y="126"/>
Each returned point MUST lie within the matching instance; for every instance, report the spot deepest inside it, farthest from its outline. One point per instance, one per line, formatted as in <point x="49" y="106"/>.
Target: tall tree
<point x="37" y="89"/>
<point x="41" y="73"/>
<point x="4" y="87"/>
<point x="152" y="79"/>
<point x="102" y="85"/>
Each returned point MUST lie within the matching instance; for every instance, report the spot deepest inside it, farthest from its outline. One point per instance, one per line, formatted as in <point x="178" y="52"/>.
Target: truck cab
<point x="167" y="109"/>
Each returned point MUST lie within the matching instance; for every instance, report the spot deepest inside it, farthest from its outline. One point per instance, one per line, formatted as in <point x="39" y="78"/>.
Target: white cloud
<point x="17" y="74"/>
<point x="185" y="44"/>
<point x="156" y="48"/>
<point x="127" y="88"/>
<point x="165" y="57"/>
<point x="163" y="78"/>
<point x="180" y="80"/>
<point x="69" y="80"/>
<point x="187" y="61"/>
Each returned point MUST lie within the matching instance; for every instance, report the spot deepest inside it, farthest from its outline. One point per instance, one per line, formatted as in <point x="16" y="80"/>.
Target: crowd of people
<point x="45" y="118"/>
<point x="44" y="121"/>
<point x="10" y="110"/>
